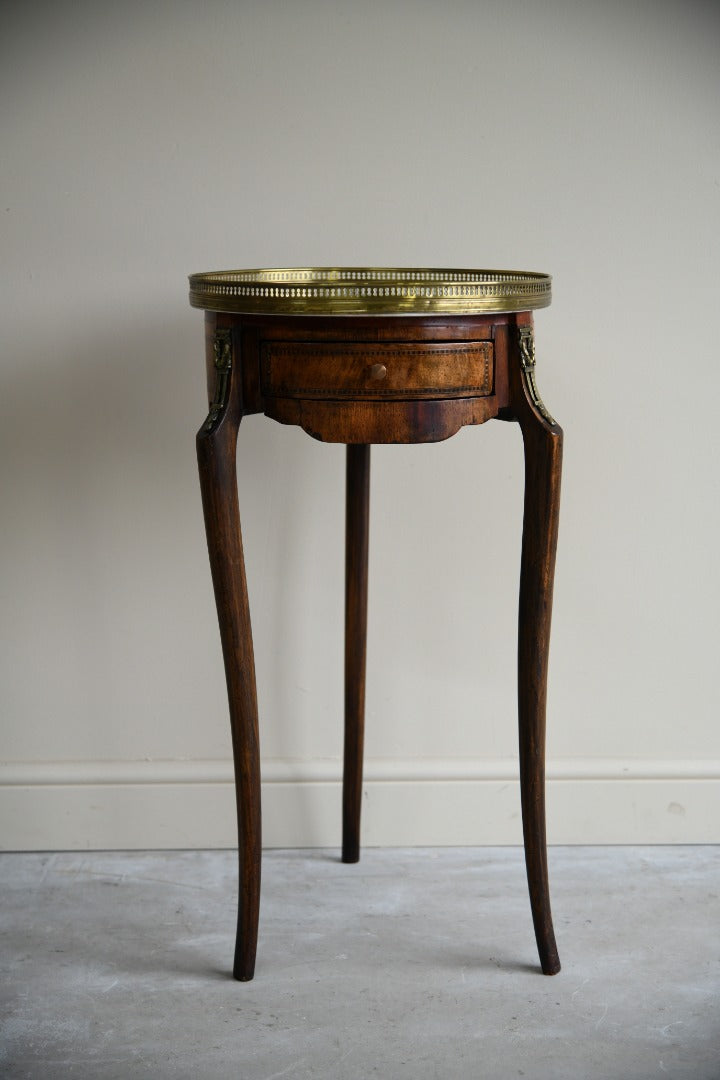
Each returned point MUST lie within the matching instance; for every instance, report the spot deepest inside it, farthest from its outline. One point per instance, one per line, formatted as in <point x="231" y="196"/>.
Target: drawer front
<point x="357" y="370"/>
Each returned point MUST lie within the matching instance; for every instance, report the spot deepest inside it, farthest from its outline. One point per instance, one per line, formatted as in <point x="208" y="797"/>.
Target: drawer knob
<point x="377" y="371"/>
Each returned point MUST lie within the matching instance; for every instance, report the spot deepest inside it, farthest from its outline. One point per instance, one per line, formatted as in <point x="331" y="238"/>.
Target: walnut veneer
<point x="363" y="378"/>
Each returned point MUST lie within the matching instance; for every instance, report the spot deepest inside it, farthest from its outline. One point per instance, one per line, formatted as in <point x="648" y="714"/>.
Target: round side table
<point x="359" y="356"/>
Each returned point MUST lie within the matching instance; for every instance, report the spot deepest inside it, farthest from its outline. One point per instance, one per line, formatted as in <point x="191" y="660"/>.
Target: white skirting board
<point x="190" y="804"/>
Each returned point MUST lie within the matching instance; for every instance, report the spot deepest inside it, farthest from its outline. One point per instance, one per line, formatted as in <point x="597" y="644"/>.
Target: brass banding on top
<point x="370" y="291"/>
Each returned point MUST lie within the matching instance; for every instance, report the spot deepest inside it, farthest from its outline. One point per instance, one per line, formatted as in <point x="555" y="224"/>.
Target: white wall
<point x="143" y="141"/>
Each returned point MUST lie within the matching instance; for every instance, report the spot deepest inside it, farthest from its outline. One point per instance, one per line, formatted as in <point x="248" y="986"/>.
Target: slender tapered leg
<point x="216" y="449"/>
<point x="543" y="440"/>
<point x="356" y="590"/>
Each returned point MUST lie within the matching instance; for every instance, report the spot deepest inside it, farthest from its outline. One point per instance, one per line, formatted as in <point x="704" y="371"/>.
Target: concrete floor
<point x="416" y="963"/>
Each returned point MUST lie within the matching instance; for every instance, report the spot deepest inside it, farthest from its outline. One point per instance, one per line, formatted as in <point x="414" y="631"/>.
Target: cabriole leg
<point x="216" y="450"/>
<point x="543" y="440"/>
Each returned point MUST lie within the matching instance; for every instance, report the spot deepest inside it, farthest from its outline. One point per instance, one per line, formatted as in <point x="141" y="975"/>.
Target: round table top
<point x="363" y="290"/>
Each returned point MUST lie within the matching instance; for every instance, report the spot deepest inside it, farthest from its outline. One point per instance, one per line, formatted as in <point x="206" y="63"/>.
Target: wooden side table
<point x="361" y="356"/>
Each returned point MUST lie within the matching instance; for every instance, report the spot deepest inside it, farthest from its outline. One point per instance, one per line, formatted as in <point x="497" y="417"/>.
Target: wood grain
<point x="323" y="374"/>
<point x="216" y="451"/>
<point x="376" y="370"/>
<point x="357" y="524"/>
<point x="543" y="444"/>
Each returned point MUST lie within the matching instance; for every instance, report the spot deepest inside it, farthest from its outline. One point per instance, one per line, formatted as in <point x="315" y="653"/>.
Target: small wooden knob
<point x="377" y="371"/>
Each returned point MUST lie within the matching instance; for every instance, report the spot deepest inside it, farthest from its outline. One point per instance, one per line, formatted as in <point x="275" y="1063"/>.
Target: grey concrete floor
<point x="416" y="963"/>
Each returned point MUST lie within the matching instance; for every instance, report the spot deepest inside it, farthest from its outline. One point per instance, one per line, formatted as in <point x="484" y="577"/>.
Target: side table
<point x="359" y="356"/>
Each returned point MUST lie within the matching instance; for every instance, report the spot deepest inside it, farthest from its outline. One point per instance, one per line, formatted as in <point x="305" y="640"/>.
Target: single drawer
<point x="306" y="369"/>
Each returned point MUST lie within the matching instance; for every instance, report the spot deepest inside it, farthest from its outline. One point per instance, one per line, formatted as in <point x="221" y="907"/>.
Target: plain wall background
<point x="144" y="141"/>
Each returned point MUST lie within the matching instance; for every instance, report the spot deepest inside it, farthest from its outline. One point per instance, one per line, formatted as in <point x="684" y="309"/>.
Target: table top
<point x="363" y="290"/>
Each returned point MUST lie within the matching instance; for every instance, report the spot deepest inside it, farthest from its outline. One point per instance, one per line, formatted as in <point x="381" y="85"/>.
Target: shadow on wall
<point x="112" y="649"/>
<point x="86" y="417"/>
<point x="111" y="643"/>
